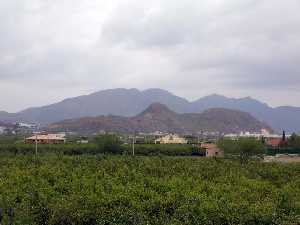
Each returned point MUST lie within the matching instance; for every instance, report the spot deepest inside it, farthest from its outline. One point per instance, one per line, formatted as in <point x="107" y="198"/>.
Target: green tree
<point x="244" y="148"/>
<point x="109" y="144"/>
<point x="294" y="141"/>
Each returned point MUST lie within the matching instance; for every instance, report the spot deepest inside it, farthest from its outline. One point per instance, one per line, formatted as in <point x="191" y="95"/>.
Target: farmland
<point x="103" y="189"/>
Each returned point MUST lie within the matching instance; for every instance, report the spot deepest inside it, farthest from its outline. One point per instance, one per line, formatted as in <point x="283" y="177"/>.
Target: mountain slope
<point x="280" y="118"/>
<point x="158" y="117"/>
<point x="122" y="102"/>
<point x="129" y="102"/>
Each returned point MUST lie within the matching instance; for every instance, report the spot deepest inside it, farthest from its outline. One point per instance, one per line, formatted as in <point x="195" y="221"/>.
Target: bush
<point x="94" y="190"/>
<point x="244" y="148"/>
<point x="167" y="150"/>
<point x="109" y="144"/>
<point x="293" y="141"/>
<point x="103" y="145"/>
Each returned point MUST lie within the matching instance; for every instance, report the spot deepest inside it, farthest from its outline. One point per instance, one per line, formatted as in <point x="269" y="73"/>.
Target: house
<point x="46" y="139"/>
<point x="211" y="150"/>
<point x="171" y="139"/>
<point x="274" y="142"/>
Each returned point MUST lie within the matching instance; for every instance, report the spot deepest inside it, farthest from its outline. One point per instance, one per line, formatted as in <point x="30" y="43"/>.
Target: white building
<point x="2" y="129"/>
<point x="27" y="125"/>
<point x="46" y="139"/>
<point x="263" y="134"/>
<point x="171" y="139"/>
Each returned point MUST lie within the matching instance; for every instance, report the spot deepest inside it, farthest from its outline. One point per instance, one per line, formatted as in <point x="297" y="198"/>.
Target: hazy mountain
<point x="123" y="102"/>
<point x="158" y="117"/>
<point x="280" y="118"/>
<point x="129" y="102"/>
<point x="3" y="124"/>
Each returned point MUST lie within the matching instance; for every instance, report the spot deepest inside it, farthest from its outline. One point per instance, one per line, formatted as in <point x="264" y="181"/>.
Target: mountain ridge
<point x="130" y="102"/>
<point x="158" y="117"/>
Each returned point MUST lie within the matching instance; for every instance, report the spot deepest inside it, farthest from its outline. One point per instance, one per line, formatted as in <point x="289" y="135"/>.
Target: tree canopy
<point x="244" y="148"/>
<point x="109" y="143"/>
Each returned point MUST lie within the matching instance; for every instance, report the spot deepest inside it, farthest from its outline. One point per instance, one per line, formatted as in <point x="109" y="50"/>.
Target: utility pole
<point x="36" y="144"/>
<point x="36" y="140"/>
<point x="133" y="143"/>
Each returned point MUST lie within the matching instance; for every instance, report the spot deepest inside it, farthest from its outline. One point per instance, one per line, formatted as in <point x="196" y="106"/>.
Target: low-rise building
<point x="274" y="142"/>
<point x="27" y="125"/>
<point x="83" y="140"/>
<point x="211" y="150"/>
<point x="2" y="129"/>
<point x="46" y="139"/>
<point x="171" y="139"/>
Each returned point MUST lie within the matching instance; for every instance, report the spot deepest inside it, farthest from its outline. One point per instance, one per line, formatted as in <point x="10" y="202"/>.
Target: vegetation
<point x="244" y="148"/>
<point x="86" y="190"/>
<point x="84" y="184"/>
<point x="290" y="146"/>
<point x="293" y="141"/>
<point x="102" y="145"/>
<point x="10" y="139"/>
<point x="161" y="149"/>
<point x="109" y="144"/>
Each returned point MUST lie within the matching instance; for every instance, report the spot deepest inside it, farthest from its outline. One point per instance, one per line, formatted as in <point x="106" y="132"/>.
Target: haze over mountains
<point x="130" y="102"/>
<point x="158" y="117"/>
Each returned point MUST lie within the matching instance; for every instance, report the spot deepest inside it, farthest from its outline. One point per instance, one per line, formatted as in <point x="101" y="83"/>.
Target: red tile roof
<point x="274" y="142"/>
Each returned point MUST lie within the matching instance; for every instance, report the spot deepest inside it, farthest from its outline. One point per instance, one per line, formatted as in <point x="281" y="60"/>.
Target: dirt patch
<point x="283" y="159"/>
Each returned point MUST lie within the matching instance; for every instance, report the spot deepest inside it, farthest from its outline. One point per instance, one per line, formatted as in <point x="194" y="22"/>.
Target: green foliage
<point x="102" y="145"/>
<point x="93" y="190"/>
<point x="283" y="150"/>
<point x="167" y="150"/>
<point x="244" y="148"/>
<point x="10" y="139"/>
<point x="109" y="144"/>
<point x="291" y="146"/>
<point x="66" y="149"/>
<point x="294" y="141"/>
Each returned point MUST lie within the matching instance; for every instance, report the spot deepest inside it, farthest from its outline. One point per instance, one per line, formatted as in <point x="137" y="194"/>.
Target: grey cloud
<point x="189" y="47"/>
<point x="248" y="40"/>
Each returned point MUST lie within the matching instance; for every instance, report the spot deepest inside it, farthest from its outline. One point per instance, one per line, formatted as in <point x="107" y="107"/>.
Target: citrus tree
<point x="244" y="148"/>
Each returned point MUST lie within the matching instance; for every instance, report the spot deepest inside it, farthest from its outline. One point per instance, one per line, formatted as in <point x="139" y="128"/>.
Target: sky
<point x="54" y="49"/>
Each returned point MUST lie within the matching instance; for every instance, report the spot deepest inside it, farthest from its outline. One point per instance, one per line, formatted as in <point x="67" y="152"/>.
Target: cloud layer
<point x="54" y="49"/>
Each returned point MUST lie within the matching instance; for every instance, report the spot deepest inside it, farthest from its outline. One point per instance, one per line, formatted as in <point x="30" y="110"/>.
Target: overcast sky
<point x="52" y="49"/>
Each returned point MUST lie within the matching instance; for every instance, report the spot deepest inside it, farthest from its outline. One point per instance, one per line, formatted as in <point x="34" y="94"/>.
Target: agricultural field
<point x="102" y="148"/>
<point x="58" y="189"/>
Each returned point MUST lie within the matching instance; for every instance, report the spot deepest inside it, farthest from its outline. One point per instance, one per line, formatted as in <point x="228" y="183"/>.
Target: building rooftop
<point x="274" y="142"/>
<point x="47" y="137"/>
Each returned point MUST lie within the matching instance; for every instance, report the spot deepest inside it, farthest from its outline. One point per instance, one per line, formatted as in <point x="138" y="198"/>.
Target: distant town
<point x="205" y="140"/>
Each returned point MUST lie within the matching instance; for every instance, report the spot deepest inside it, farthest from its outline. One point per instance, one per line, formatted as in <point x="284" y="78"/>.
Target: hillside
<point x="280" y="118"/>
<point x="129" y="102"/>
<point x="158" y="117"/>
<point x="120" y="102"/>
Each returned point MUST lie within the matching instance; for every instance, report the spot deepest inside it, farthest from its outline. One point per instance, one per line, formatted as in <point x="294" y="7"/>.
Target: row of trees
<point x="103" y="144"/>
<point x="293" y="141"/>
<point x="245" y="149"/>
<point x="98" y="190"/>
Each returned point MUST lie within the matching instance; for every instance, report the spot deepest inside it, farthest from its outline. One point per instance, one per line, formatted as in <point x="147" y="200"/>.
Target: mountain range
<point x="158" y="117"/>
<point x="129" y="102"/>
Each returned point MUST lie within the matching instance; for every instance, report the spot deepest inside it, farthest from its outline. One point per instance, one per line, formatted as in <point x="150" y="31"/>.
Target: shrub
<point x="109" y="144"/>
<point x="93" y="190"/>
<point x="244" y="148"/>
